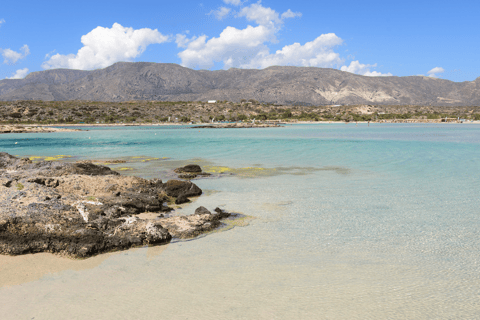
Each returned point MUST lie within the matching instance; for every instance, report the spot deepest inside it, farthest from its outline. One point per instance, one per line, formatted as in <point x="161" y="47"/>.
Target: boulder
<point x="175" y="188"/>
<point x="202" y="210"/>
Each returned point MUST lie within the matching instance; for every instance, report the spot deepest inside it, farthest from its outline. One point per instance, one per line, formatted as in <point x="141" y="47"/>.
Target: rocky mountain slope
<point x="125" y="81"/>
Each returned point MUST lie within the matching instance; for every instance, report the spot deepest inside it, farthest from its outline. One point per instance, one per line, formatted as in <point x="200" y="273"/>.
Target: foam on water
<point x="351" y="222"/>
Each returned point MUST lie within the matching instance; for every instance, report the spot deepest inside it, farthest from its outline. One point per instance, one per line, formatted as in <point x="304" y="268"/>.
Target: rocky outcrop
<point x="81" y="209"/>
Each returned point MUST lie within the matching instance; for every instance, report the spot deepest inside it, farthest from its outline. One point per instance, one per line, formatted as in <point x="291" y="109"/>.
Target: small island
<point x="32" y="129"/>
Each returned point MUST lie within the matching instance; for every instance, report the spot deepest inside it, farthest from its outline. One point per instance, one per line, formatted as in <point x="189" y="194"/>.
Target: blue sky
<point x="370" y="37"/>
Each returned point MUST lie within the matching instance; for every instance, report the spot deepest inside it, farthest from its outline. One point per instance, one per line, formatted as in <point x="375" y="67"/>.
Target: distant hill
<point x="125" y="81"/>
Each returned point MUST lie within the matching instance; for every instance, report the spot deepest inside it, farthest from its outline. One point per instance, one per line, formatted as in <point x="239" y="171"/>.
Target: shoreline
<point x="57" y="126"/>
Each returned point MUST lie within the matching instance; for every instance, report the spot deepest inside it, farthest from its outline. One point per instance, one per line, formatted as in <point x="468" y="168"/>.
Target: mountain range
<point x="126" y="81"/>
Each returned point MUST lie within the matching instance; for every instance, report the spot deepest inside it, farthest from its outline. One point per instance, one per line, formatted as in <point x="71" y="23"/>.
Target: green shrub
<point x="242" y="117"/>
<point x="287" y="114"/>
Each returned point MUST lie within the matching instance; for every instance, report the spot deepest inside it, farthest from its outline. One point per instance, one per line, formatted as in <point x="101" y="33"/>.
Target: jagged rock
<point x="7" y="160"/>
<point x="51" y="168"/>
<point x="49" y="182"/>
<point x="190" y="226"/>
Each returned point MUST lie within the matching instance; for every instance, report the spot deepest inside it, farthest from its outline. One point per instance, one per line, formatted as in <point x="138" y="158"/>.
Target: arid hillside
<point x="126" y="81"/>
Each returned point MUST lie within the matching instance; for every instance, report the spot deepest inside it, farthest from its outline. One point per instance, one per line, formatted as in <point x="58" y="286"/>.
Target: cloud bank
<point x="248" y="47"/>
<point x="103" y="47"/>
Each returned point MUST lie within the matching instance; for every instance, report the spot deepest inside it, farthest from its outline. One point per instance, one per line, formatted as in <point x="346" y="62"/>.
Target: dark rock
<point x="6" y="183"/>
<point x="49" y="182"/>
<point x="221" y="214"/>
<point x="202" y="210"/>
<point x="189" y="168"/>
<point x="190" y="171"/>
<point x="181" y="199"/>
<point x="91" y="169"/>
<point x="175" y="188"/>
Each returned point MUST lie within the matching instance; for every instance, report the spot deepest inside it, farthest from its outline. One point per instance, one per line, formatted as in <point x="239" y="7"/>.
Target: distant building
<point x="212" y="101"/>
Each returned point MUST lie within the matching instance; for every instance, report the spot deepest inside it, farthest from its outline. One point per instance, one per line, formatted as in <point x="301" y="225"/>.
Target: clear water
<point x="355" y="222"/>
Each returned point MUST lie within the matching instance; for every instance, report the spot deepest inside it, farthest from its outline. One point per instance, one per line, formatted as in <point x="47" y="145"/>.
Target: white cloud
<point x="12" y="57"/>
<point x="231" y="46"/>
<point x="233" y="2"/>
<point x="266" y="16"/>
<point x="2" y="21"/>
<point x="290" y="14"/>
<point x="433" y="73"/>
<point x="181" y="40"/>
<point x="247" y="49"/>
<point x="220" y="13"/>
<point x="103" y="46"/>
<point x="364" y="69"/>
<point x="19" y="74"/>
<point x="316" y="53"/>
<point x="260" y="14"/>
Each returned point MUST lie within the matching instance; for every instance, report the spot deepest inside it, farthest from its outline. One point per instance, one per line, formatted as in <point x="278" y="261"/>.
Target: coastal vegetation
<point x="94" y="112"/>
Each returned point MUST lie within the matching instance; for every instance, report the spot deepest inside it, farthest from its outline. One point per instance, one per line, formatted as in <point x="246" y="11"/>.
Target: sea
<point x="341" y="221"/>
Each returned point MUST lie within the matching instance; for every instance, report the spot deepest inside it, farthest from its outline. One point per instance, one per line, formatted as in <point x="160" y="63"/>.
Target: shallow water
<point x="351" y="222"/>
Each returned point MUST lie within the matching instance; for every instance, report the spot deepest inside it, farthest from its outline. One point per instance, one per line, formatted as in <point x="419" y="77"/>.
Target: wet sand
<point x="15" y="270"/>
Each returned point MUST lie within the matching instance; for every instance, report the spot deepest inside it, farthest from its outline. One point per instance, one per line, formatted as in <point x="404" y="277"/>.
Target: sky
<point x="372" y="38"/>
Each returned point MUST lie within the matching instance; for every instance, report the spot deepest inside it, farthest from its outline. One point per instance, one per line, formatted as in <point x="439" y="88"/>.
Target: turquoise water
<point x="351" y="222"/>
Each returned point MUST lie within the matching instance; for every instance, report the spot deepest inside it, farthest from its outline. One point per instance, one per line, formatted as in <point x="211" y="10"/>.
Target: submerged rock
<point x="81" y="209"/>
<point x="190" y="171"/>
<point x="189" y="168"/>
